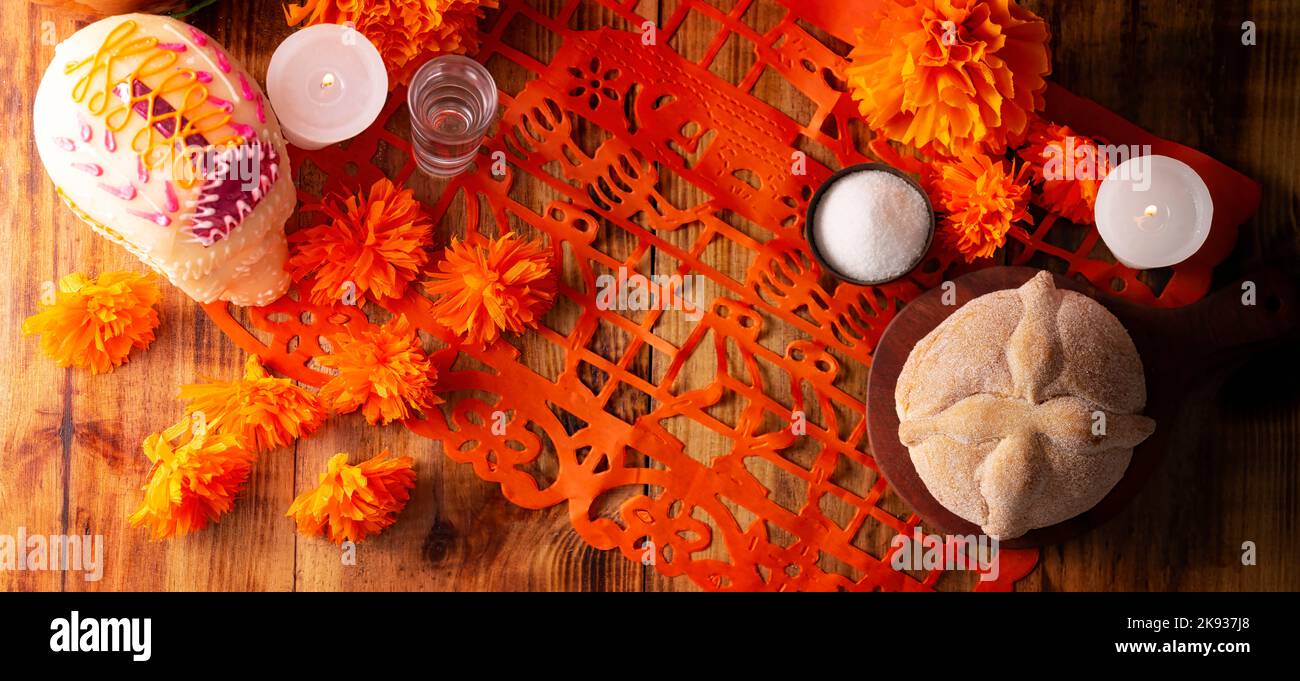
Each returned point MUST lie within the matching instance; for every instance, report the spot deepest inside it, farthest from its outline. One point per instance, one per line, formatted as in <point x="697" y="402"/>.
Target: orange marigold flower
<point x="264" y="411"/>
<point x="191" y="484"/>
<point x="384" y="371"/>
<point x="93" y="324"/>
<point x="952" y="77"/>
<point x="406" y="32"/>
<point x="979" y="199"/>
<point x="375" y="243"/>
<point x="355" y="501"/>
<point x="502" y="285"/>
<point x="1068" y="167"/>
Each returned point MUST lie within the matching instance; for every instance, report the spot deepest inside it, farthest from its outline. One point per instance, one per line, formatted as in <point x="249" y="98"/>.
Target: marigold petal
<point x="1068" y="168"/>
<point x="383" y="371"/>
<point x="950" y="78"/>
<point x="505" y="284"/>
<point x="406" y="32"/>
<point x="979" y="200"/>
<point x="373" y="245"/>
<point x="94" y="323"/>
<point x="194" y="480"/>
<point x="351" y="502"/>
<point x="265" y="411"/>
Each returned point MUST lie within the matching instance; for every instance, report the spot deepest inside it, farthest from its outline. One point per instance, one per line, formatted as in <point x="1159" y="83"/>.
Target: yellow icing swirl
<point x="124" y="58"/>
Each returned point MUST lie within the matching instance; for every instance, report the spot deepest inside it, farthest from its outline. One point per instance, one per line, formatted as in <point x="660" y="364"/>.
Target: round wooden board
<point x="1176" y="345"/>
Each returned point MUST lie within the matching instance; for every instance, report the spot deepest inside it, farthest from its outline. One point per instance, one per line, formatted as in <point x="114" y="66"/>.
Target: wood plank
<point x="36" y="400"/>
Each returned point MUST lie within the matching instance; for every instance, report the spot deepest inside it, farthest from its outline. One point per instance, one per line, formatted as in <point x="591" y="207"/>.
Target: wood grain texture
<point x="72" y="462"/>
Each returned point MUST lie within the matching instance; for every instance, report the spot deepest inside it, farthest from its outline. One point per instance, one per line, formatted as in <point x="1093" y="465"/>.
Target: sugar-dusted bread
<point x="163" y="144"/>
<point x="1021" y="410"/>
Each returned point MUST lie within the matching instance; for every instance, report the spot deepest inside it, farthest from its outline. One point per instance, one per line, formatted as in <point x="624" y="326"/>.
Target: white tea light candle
<point x="1153" y="211"/>
<point x="327" y="83"/>
<point x="871" y="225"/>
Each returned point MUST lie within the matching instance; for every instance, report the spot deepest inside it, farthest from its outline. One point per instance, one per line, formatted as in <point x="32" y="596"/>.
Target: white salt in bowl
<point x="897" y="250"/>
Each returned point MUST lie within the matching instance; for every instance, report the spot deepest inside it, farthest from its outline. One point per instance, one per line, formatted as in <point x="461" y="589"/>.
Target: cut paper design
<point x="724" y="442"/>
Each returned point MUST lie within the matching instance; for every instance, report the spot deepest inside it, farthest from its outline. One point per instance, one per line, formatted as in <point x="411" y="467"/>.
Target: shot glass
<point x="453" y="100"/>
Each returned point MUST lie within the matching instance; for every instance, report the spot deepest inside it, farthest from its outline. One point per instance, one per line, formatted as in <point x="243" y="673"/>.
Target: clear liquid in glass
<point x="453" y="100"/>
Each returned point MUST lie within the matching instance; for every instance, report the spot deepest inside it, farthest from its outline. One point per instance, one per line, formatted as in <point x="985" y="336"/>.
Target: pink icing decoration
<point x="222" y="62"/>
<point x="224" y="201"/>
<point x="174" y="47"/>
<point x="110" y="142"/>
<point x="170" y="194"/>
<point x="261" y="110"/>
<point x="65" y="144"/>
<point x="141" y="171"/>
<point x="89" y="168"/>
<point x="156" y="218"/>
<point x="221" y="103"/>
<point x="84" y="129"/>
<point x="245" y="131"/>
<point x="199" y="38"/>
<point x="125" y="192"/>
<point x="203" y="76"/>
<point x="245" y="87"/>
<point x="158" y="110"/>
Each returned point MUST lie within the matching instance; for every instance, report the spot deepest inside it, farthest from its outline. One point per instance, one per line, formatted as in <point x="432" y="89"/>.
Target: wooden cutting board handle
<point x="1262" y="308"/>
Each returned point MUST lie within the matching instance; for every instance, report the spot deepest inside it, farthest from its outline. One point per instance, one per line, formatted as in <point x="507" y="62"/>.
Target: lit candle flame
<point x="1149" y="212"/>
<point x="327" y="80"/>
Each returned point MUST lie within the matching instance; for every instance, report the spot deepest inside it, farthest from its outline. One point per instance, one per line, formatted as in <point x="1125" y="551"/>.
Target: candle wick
<point x="1142" y="220"/>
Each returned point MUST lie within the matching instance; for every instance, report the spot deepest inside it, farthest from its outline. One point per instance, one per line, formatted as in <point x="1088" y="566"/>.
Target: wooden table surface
<point x="71" y="442"/>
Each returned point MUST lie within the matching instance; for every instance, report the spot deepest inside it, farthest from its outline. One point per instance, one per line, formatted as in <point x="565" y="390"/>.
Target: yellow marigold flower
<point x="1068" y="167"/>
<point x="352" y="502"/>
<point x="979" y="200"/>
<point x="406" y="32"/>
<point x="94" y="323"/>
<point x="192" y="482"/>
<point x="383" y="370"/>
<point x="265" y="411"/>
<point x="952" y="77"/>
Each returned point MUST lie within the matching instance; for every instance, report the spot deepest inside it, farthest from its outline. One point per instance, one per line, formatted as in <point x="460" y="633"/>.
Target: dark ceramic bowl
<point x="810" y="218"/>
